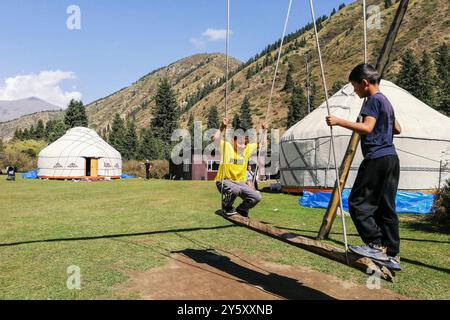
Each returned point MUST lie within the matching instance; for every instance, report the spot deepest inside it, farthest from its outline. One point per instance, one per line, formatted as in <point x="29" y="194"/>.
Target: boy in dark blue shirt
<point x="372" y="200"/>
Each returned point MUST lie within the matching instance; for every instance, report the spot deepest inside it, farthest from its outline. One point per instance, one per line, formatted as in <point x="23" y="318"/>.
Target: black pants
<point x="372" y="202"/>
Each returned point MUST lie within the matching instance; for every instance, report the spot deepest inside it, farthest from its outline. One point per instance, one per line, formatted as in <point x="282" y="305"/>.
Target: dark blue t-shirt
<point x="379" y="142"/>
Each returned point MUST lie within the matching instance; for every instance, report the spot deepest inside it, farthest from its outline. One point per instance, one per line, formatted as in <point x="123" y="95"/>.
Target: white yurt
<point x="80" y="153"/>
<point x="306" y="160"/>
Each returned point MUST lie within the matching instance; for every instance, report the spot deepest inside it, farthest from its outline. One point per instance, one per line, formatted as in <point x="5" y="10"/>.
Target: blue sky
<point x="120" y="41"/>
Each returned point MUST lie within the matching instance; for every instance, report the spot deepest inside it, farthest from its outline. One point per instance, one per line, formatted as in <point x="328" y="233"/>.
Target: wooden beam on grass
<point x="382" y="62"/>
<point x="366" y="265"/>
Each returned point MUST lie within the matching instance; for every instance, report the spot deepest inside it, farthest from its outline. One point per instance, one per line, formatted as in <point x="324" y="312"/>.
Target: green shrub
<point x="159" y="170"/>
<point x="21" y="161"/>
<point x="441" y="205"/>
<point x="29" y="147"/>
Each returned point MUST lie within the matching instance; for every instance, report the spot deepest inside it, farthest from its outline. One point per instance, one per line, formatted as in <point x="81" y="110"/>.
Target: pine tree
<point x="313" y="94"/>
<point x="17" y="134"/>
<point x="40" y="130"/>
<point x="131" y="141"/>
<point x="289" y="83"/>
<point x="31" y="133"/>
<point x="2" y="145"/>
<point x="166" y="112"/>
<point x="191" y="125"/>
<point x="298" y="108"/>
<point x="426" y="86"/>
<point x="213" y="118"/>
<point x="409" y="75"/>
<point x="232" y="86"/>
<point x="442" y="64"/>
<point x="151" y="147"/>
<point x="25" y="134"/>
<point x="245" y="115"/>
<point x="117" y="135"/>
<point x="75" y="115"/>
<point x="236" y="123"/>
<point x="337" y="86"/>
<point x="57" y="129"/>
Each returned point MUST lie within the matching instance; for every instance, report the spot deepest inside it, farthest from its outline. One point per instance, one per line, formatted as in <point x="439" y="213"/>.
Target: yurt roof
<point x="417" y="119"/>
<point x="80" y="142"/>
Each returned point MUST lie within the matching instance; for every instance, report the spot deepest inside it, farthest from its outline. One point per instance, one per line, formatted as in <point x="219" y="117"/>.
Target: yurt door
<point x="94" y="167"/>
<point x="88" y="167"/>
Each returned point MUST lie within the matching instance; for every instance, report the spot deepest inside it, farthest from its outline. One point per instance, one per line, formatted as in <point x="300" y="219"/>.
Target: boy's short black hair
<point x="364" y="71"/>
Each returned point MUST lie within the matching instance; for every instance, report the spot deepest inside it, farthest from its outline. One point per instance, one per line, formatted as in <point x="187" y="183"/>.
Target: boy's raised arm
<point x="223" y="126"/>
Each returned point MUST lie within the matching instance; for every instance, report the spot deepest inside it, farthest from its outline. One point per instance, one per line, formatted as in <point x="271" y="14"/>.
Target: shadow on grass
<point x="356" y="235"/>
<point x="109" y="236"/>
<point x="407" y="260"/>
<point x="282" y="286"/>
<point x="425" y="224"/>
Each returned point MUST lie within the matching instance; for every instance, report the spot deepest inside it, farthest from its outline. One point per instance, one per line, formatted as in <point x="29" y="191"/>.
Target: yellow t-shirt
<point x="235" y="164"/>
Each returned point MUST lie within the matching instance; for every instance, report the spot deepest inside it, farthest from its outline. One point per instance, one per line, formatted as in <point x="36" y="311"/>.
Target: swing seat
<point x="355" y="261"/>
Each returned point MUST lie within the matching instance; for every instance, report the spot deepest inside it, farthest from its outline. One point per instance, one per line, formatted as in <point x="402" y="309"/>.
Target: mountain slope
<point x="426" y="25"/>
<point x="10" y="110"/>
<point x="136" y="101"/>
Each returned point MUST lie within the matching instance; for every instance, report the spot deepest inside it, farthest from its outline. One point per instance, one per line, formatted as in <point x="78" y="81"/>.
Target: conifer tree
<point x="245" y="116"/>
<point x="409" y="75"/>
<point x="151" y="147"/>
<point x="426" y="86"/>
<point x="75" y="115"/>
<point x="165" y="118"/>
<point x="40" y="131"/>
<point x="117" y="135"/>
<point x="297" y="107"/>
<point x="337" y="86"/>
<point x="131" y="141"/>
<point x="236" y="123"/>
<point x="213" y="118"/>
<point x="289" y="83"/>
<point x="442" y="64"/>
<point x="55" y="129"/>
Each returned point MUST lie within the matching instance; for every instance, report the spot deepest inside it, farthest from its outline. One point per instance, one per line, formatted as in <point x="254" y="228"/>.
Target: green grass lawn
<point x="47" y="226"/>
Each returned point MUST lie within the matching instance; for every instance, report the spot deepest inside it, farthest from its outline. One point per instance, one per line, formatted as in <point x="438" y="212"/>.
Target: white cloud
<point x="45" y="85"/>
<point x="215" y="34"/>
<point x="210" y="35"/>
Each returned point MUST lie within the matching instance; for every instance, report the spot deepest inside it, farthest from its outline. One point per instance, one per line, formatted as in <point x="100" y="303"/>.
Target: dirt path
<point x="203" y="275"/>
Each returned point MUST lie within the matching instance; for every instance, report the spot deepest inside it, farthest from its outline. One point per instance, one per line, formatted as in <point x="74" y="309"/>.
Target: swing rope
<point x="365" y="31"/>
<point x="227" y="40"/>
<point x="322" y="71"/>
<point x="272" y="89"/>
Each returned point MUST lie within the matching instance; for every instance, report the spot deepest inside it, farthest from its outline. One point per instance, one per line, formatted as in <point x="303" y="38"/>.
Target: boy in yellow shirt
<point x="234" y="163"/>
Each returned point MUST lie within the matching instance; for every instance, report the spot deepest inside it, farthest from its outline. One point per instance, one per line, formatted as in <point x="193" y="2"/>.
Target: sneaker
<point x="393" y="263"/>
<point x="228" y="199"/>
<point x="228" y="212"/>
<point x="372" y="251"/>
<point x="242" y="213"/>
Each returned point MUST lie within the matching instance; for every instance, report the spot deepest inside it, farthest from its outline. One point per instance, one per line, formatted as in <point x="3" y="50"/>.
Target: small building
<point x="200" y="168"/>
<point x="80" y="154"/>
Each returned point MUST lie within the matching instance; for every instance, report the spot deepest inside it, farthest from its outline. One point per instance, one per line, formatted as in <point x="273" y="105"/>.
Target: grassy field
<point x="108" y="228"/>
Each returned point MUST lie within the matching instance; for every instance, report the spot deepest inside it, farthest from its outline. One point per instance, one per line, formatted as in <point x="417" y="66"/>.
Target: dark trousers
<point x="372" y="202"/>
<point x="147" y="174"/>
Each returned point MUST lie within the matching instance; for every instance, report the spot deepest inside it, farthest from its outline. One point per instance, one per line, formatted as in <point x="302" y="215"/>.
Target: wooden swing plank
<point x="312" y="245"/>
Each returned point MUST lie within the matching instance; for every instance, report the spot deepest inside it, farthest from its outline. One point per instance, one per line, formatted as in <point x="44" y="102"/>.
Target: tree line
<point x="427" y="78"/>
<point x="52" y="130"/>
